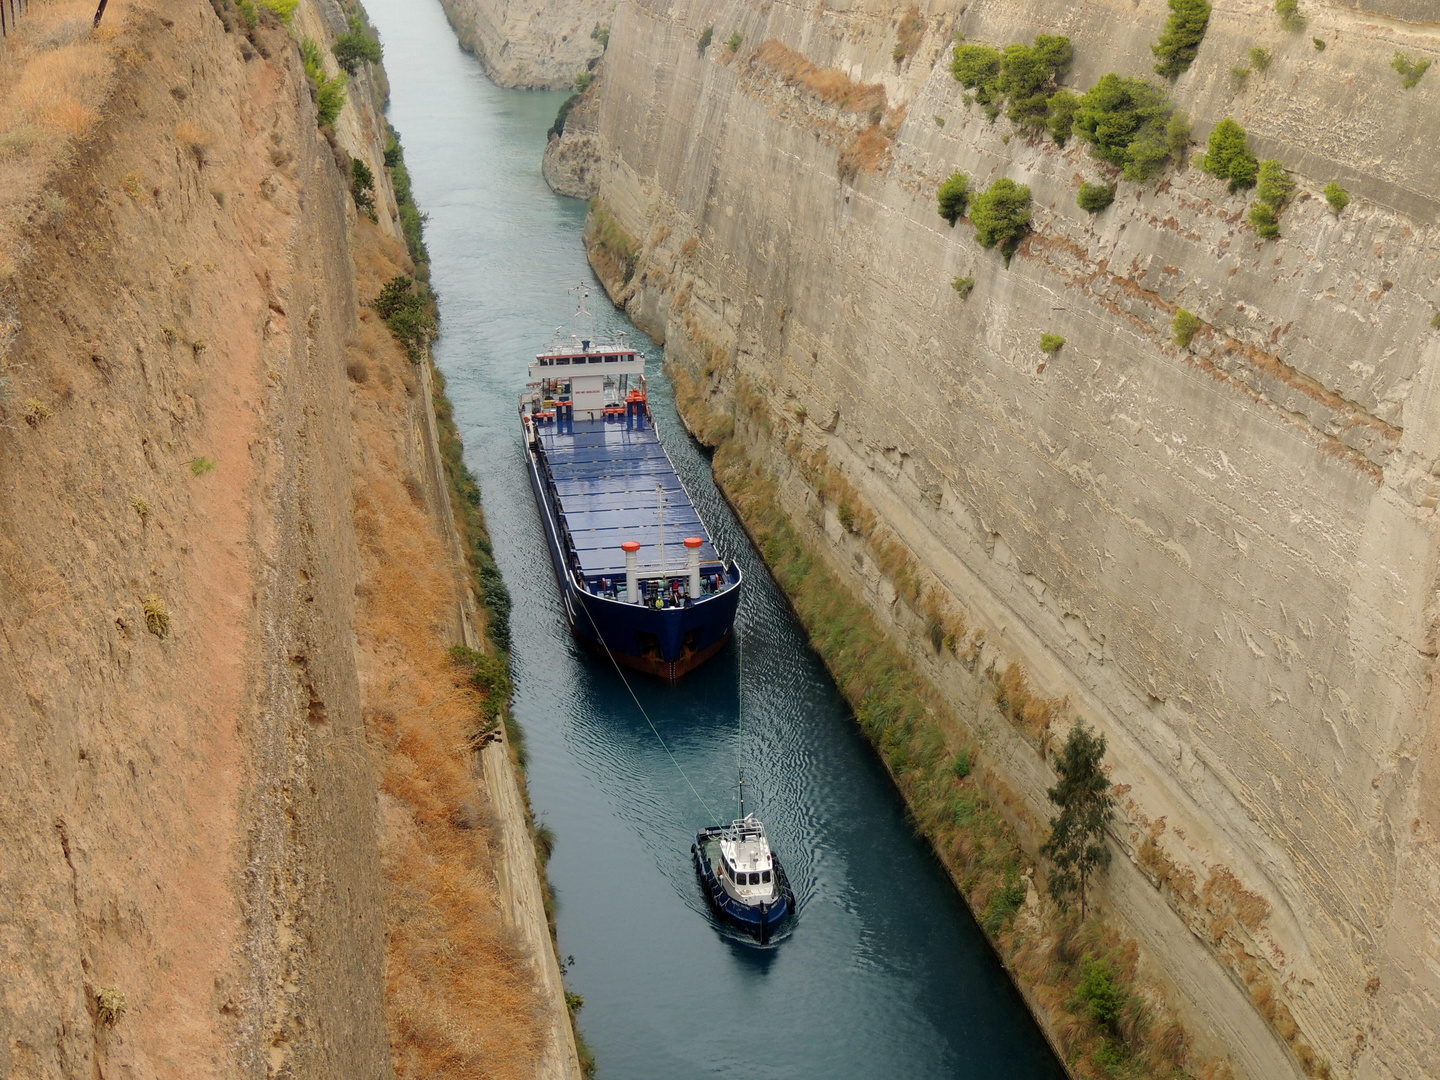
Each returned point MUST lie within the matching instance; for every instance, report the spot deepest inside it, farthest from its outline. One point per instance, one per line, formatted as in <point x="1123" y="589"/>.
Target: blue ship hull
<point x="760" y="919"/>
<point x="596" y="483"/>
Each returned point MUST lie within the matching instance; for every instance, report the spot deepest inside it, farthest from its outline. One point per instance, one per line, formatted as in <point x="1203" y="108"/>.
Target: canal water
<point x="884" y="973"/>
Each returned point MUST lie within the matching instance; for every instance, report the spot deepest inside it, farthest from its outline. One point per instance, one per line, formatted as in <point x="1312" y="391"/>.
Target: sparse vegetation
<point x="1259" y="58"/>
<point x="1126" y="122"/>
<point x="157" y="621"/>
<point x="201" y="466"/>
<point x="1239" y="76"/>
<point x="1076" y="845"/>
<point x="1028" y="75"/>
<point x="1291" y="17"/>
<point x="199" y="346"/>
<point x="329" y="90"/>
<point x="1264" y="221"/>
<point x="1061" y="121"/>
<point x="1025" y="74"/>
<point x="583" y="81"/>
<point x="355" y="47"/>
<point x="141" y="508"/>
<point x="1095" y="197"/>
<point x="939" y="120"/>
<point x="614" y="242"/>
<point x="1410" y="71"/>
<point x="36" y="412"/>
<point x="1229" y="156"/>
<point x="1275" y="186"/>
<point x="908" y="35"/>
<point x="964" y="286"/>
<point x="109" y="1003"/>
<point x="734" y="43"/>
<point x="706" y="36"/>
<point x="1319" y="44"/>
<point x="412" y="221"/>
<point x="1180" y="40"/>
<point x="362" y="188"/>
<point x="407" y="308"/>
<point x="1337" y="197"/>
<point x="1051" y="343"/>
<point x="602" y="35"/>
<point x="953" y="196"/>
<point x="1185" y="326"/>
<point x="558" y="127"/>
<point x="1001" y="214"/>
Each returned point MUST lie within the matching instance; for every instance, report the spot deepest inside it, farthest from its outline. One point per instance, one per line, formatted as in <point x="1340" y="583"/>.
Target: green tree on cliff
<point x="1077" y="833"/>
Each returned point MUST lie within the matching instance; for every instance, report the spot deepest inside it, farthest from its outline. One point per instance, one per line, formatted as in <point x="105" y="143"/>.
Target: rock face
<point x="1223" y="555"/>
<point x="531" y="44"/>
<point x="571" y="165"/>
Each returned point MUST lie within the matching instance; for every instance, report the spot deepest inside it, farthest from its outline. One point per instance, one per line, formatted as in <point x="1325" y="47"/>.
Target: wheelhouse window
<point x="764" y="876"/>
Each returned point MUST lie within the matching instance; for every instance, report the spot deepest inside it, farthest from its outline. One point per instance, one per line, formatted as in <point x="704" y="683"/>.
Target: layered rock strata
<point x="1223" y="556"/>
<point x="531" y="44"/>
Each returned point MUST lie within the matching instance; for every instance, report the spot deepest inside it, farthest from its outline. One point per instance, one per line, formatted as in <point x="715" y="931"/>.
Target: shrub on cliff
<point x="405" y="306"/>
<point x="1095" y="197"/>
<point x="1185" y="326"/>
<point x="1077" y="833"/>
<point x="362" y="187"/>
<point x="1061" y="119"/>
<point x="1180" y="40"/>
<point x="1337" y="197"/>
<point x="953" y="196"/>
<point x="355" y="47"/>
<point x="1028" y="74"/>
<point x="1275" y="189"/>
<point x="1001" y="214"/>
<point x="1228" y="156"/>
<point x="1410" y="70"/>
<point x="1291" y="17"/>
<point x="1125" y="122"/>
<point x="703" y="41"/>
<point x="977" y="67"/>
<point x="562" y="114"/>
<point x="1051" y="343"/>
<point x="329" y="91"/>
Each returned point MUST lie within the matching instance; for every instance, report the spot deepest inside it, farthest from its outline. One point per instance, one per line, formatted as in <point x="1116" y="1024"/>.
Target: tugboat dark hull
<point x="583" y="509"/>
<point x="759" y="919"/>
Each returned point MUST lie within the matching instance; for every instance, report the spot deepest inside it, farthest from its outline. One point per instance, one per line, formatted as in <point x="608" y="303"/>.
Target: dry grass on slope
<point x="460" y="999"/>
<point x="829" y="85"/>
<point x="55" y="72"/>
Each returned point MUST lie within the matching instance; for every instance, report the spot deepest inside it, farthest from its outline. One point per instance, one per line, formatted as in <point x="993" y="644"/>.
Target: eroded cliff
<point x="229" y="577"/>
<point x="1221" y="555"/>
<point x="532" y="44"/>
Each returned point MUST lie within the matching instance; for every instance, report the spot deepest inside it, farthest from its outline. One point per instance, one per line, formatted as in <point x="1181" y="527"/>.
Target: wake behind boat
<point x="638" y="570"/>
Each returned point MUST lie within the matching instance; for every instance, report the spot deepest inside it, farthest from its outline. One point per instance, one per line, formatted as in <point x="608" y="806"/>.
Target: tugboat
<point x="743" y="880"/>
<point x="639" y="574"/>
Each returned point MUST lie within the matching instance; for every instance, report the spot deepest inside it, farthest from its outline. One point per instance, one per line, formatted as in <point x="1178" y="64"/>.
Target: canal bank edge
<point x="974" y="823"/>
<point x="497" y="759"/>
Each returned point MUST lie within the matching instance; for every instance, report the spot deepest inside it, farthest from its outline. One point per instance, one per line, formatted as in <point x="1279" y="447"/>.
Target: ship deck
<point x="614" y="484"/>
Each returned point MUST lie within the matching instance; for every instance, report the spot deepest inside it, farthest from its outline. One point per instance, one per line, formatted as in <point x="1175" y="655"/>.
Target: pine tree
<point x="1077" y="834"/>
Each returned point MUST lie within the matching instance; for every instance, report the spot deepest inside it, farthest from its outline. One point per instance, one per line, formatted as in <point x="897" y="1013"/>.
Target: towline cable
<point x="629" y="689"/>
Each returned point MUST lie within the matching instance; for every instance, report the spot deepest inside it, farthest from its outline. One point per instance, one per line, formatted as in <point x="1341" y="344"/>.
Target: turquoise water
<point x="884" y="974"/>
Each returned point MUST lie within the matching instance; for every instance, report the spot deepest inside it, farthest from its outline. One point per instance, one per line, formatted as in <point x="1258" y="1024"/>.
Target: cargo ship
<point x="639" y="574"/>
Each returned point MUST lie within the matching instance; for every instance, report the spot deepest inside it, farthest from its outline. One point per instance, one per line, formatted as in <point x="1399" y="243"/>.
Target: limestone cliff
<point x="532" y="44"/>
<point x="217" y="468"/>
<point x="1221" y="555"/>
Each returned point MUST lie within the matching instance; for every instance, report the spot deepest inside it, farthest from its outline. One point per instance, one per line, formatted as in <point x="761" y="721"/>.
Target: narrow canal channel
<point x="885" y="975"/>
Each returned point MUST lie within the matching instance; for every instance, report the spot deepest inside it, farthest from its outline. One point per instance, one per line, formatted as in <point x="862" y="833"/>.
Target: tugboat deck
<point x="614" y="483"/>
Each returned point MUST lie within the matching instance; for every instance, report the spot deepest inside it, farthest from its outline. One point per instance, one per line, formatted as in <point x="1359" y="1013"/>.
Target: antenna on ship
<point x="586" y="332"/>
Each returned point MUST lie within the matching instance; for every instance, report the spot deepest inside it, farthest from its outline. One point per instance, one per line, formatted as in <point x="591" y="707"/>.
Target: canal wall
<point x="1220" y="555"/>
<point x="244" y="832"/>
<point x="532" y="44"/>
